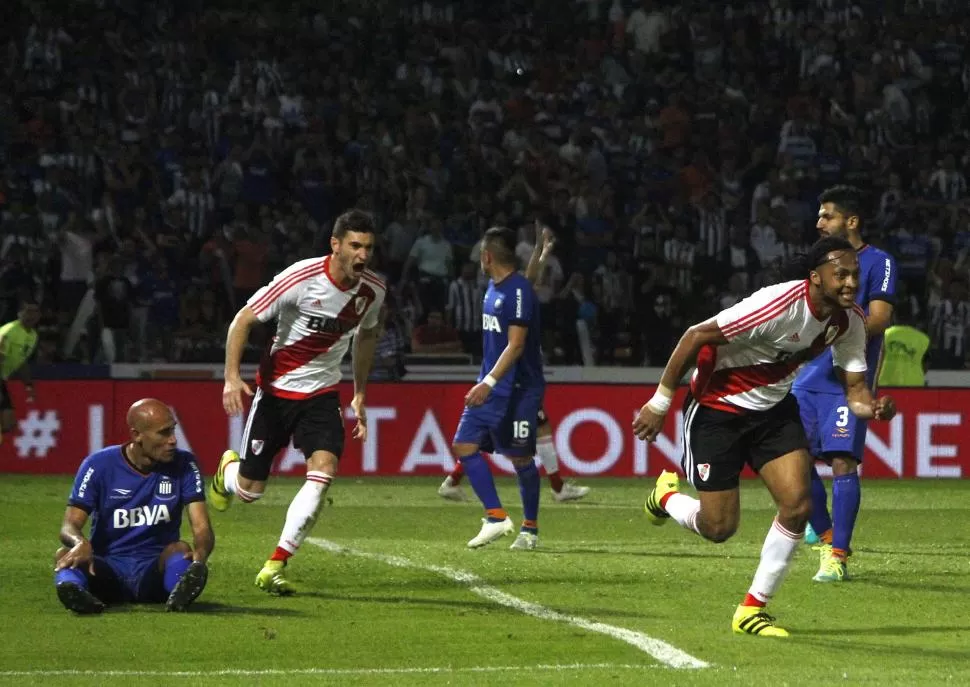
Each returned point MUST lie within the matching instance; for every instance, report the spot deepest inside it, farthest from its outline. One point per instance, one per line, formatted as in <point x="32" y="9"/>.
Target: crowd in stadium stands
<point x="162" y="160"/>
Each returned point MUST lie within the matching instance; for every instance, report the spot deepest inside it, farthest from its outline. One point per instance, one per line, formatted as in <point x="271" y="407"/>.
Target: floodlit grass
<point x="903" y="619"/>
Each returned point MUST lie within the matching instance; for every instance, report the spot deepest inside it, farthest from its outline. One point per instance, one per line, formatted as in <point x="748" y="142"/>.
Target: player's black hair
<point x="353" y="220"/>
<point x="500" y="242"/>
<point x="803" y="264"/>
<point x="848" y="200"/>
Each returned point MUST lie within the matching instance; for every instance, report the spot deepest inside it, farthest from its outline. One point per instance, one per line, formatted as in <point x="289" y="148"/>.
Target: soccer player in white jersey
<point x="319" y="304"/>
<point x="740" y="410"/>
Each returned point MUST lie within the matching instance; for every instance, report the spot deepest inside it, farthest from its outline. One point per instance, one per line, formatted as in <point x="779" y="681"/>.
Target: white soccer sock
<point x="304" y="509"/>
<point x="684" y="510"/>
<point x="546" y="450"/>
<point x="776" y="554"/>
<point x="229" y="477"/>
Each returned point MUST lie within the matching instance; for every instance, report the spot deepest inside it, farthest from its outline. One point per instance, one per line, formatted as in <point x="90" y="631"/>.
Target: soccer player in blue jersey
<point x="835" y="435"/>
<point x="134" y="495"/>
<point x="501" y="410"/>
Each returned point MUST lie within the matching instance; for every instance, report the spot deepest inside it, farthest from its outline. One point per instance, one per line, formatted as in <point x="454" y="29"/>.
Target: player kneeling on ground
<point x="134" y="494"/>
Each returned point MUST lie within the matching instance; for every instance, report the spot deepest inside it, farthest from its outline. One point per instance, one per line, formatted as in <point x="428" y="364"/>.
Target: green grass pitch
<point x="367" y="617"/>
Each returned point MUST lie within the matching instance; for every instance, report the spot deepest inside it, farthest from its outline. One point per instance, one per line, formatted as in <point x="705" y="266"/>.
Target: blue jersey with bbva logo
<point x="512" y="301"/>
<point x="877" y="282"/>
<point x="135" y="513"/>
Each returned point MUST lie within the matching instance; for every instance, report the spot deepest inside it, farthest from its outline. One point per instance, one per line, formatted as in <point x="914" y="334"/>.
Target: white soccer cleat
<point x="570" y="492"/>
<point x="451" y="491"/>
<point x="491" y="531"/>
<point x="526" y="541"/>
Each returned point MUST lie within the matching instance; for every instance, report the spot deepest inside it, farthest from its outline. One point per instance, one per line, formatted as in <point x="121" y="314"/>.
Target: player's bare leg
<point x="183" y="578"/>
<point x="72" y="589"/>
<point x="546" y="450"/>
<point x="301" y="516"/>
<point x="787" y="478"/>
<point x="496" y="523"/>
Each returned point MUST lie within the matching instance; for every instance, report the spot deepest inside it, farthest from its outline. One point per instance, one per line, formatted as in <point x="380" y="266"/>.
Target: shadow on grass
<point x="208" y="608"/>
<point x="942" y="551"/>
<point x="467" y="605"/>
<point x="891" y="582"/>
<point x="835" y="638"/>
<point x="714" y="553"/>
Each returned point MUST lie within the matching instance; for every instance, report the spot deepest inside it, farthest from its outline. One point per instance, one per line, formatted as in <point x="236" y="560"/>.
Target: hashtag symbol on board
<point x="38" y="434"/>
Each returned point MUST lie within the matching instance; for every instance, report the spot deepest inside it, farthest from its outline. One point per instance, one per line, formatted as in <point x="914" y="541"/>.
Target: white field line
<point x="660" y="650"/>
<point x="324" y="671"/>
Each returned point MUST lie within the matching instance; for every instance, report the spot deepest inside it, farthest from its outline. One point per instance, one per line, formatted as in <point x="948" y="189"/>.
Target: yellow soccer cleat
<point x="666" y="483"/>
<point x="830" y="568"/>
<point x="217" y="495"/>
<point x="754" y="620"/>
<point x="270" y="579"/>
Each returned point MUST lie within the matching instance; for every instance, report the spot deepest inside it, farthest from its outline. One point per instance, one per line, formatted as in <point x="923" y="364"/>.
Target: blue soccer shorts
<point x="503" y="424"/>
<point x="124" y="579"/>
<point x="830" y="426"/>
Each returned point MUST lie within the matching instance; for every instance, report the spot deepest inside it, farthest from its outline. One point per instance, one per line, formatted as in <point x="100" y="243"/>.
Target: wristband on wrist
<point x="661" y="400"/>
<point x="490" y="381"/>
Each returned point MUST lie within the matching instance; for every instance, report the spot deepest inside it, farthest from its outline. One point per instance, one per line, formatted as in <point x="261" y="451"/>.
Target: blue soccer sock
<point x="483" y="484"/>
<point x="529" y="489"/>
<point x="820" y="520"/>
<point x="175" y="566"/>
<point x="846" y="496"/>
<point x="72" y="575"/>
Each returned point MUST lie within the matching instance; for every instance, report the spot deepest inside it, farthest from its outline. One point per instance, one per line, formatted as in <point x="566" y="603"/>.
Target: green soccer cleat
<point x="754" y="620"/>
<point x="830" y="569"/>
<point x="811" y="536"/>
<point x="217" y="495"/>
<point x="666" y="483"/>
<point x="270" y="579"/>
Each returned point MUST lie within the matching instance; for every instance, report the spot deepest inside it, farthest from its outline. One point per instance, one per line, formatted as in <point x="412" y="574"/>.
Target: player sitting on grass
<point x="134" y="495"/>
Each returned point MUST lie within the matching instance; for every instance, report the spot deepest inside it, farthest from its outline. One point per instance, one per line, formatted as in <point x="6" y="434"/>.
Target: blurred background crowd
<point x="162" y="160"/>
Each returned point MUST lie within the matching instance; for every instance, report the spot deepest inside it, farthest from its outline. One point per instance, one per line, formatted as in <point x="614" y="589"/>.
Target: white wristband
<point x="662" y="399"/>
<point x="490" y="381"/>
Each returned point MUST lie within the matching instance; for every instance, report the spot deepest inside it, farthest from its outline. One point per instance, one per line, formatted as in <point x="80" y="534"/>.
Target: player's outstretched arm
<point x="650" y="420"/>
<point x="72" y="536"/>
<point x="203" y="537"/>
<point x="236" y="340"/>
<point x="545" y="240"/>
<point x="859" y="398"/>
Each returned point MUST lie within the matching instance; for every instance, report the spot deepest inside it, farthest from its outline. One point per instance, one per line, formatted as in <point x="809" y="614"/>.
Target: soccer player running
<point x="545" y="446"/>
<point x="740" y="410"/>
<point x="835" y="435"/>
<point x="18" y="339"/>
<point x="501" y="410"/>
<point x="320" y="304"/>
<point x="134" y="494"/>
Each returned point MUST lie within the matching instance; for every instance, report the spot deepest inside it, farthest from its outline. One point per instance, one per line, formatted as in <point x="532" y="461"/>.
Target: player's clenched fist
<point x="884" y="408"/>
